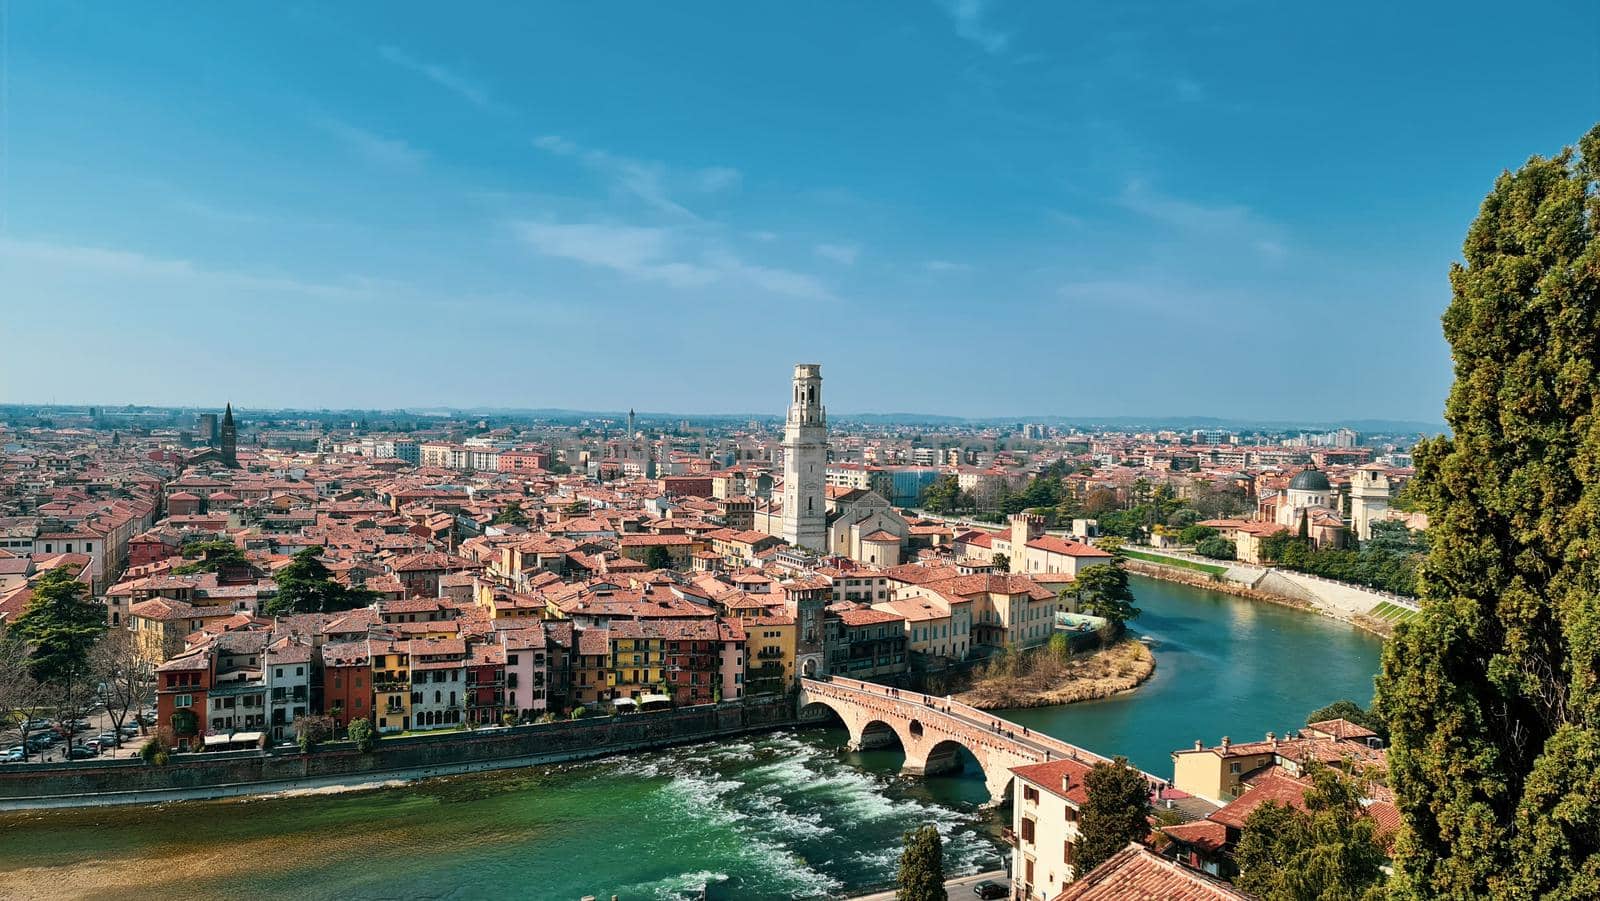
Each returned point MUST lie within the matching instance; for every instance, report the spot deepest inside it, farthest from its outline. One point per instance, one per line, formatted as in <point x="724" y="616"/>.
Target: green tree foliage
<point x="1215" y="547"/>
<point x="1391" y="561"/>
<point x="657" y="557"/>
<point x="512" y="515"/>
<point x="921" y="875"/>
<point x="1491" y="694"/>
<point x="305" y="585"/>
<point x="362" y="733"/>
<point x="1001" y="563"/>
<point x="1103" y="590"/>
<point x="1350" y="711"/>
<point x="1327" y="852"/>
<point x="942" y="496"/>
<point x="1196" y="534"/>
<point x="1115" y="813"/>
<point x="61" y="626"/>
<point x="210" y="557"/>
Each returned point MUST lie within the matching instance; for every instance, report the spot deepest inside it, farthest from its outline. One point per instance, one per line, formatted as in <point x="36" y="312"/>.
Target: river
<point x="783" y="815"/>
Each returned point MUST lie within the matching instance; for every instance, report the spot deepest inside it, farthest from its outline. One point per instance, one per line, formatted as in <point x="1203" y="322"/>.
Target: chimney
<point x="1225" y="743"/>
<point x="1066" y="782"/>
<point x="1199" y="745"/>
<point x="1272" y="740"/>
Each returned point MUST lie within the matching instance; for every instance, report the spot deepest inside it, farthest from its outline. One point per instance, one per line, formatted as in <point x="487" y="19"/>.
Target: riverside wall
<point x="235" y="773"/>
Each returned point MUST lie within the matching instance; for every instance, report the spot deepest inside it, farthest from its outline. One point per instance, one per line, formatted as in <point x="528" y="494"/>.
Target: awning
<point x="623" y="702"/>
<point x="655" y="699"/>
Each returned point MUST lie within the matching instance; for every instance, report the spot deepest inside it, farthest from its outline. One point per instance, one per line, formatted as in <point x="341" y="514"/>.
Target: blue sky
<point x="980" y="208"/>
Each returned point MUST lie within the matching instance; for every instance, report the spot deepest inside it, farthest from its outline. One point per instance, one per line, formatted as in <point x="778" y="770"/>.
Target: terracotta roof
<point x="1138" y="874"/>
<point x="1276" y="788"/>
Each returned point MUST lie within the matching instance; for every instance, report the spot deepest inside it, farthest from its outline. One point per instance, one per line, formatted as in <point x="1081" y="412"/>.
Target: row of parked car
<point x="51" y="734"/>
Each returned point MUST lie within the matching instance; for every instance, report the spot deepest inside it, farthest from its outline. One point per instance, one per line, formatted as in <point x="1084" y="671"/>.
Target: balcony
<point x="1009" y="835"/>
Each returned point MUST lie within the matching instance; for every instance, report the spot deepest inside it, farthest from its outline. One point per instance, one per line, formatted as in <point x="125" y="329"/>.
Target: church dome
<point x="1309" y="480"/>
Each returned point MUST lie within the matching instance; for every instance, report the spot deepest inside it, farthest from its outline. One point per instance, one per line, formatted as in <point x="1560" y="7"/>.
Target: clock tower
<point x="805" y="461"/>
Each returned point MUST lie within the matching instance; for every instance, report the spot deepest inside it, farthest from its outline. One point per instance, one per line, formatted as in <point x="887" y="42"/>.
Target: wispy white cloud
<point x="970" y="17"/>
<point x="27" y="257"/>
<point x="391" y="153"/>
<point x="450" y="79"/>
<point x="1234" y="225"/>
<point x="649" y="182"/>
<point x="946" y="266"/>
<point x="674" y="257"/>
<point x="844" y="254"/>
<point x="637" y="251"/>
<point x="718" y="178"/>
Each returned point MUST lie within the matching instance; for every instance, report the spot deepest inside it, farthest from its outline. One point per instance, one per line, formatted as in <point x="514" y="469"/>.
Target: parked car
<point x="82" y="753"/>
<point x="146" y="719"/>
<point x="107" y="737"/>
<point x="988" y="888"/>
<point x="14" y="755"/>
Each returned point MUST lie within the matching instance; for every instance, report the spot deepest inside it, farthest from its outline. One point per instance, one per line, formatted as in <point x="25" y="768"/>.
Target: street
<point x="99" y="721"/>
<point x="959" y="888"/>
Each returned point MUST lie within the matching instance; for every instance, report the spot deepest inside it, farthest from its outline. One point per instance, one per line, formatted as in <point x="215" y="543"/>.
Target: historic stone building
<point x="805" y="461"/>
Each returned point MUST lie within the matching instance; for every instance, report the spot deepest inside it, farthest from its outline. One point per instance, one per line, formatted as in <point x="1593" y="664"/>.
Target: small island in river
<point x="1044" y="677"/>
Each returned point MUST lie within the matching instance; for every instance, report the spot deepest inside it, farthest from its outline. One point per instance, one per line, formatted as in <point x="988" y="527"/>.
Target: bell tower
<point x="805" y="460"/>
<point x="229" y="439"/>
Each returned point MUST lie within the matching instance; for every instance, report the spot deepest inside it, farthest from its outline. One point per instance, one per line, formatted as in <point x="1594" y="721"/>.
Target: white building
<point x="1044" y="827"/>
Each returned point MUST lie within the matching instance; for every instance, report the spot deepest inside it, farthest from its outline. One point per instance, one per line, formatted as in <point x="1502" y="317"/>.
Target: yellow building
<point x="1216" y="773"/>
<point x="161" y="624"/>
<point x="769" y="654"/>
<point x="391" y="685"/>
<point x="638" y="660"/>
<point x="591" y="667"/>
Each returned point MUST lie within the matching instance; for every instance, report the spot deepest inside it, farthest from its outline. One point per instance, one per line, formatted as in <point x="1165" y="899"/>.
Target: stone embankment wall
<point x="234" y="773"/>
<point x="1349" y="603"/>
<point x="1201" y="580"/>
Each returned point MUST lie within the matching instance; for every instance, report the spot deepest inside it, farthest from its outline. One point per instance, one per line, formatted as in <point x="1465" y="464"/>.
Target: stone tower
<point x="229" y="439"/>
<point x="1024" y="528"/>
<point x="805" y="461"/>
<point x="1369" y="496"/>
<point x="631" y="430"/>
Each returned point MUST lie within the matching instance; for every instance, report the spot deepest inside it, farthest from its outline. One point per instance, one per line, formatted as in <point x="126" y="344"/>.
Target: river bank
<point x="1042" y="679"/>
<point x="1200" y="580"/>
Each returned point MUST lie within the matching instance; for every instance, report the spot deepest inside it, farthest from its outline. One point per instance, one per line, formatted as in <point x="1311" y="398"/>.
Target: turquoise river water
<point x="783" y="815"/>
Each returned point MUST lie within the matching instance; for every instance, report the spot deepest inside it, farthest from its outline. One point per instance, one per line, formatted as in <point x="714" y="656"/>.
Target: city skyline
<point x="1075" y="212"/>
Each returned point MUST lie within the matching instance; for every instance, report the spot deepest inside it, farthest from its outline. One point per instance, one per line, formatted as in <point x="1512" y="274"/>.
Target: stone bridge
<point x="932" y="730"/>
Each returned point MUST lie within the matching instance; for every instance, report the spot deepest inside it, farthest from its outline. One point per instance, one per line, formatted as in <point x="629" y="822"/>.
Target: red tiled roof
<point x="1138" y="874"/>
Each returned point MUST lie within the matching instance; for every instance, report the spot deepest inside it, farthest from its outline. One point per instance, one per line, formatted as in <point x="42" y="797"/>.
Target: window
<point x="1233" y="768"/>
<point x="1066" y="853"/>
<point x="1027" y="829"/>
<point x="1029" y="793"/>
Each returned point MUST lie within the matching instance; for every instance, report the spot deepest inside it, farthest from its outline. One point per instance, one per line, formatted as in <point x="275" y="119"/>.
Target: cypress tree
<point x="921" y="876"/>
<point x="1491" y="694"/>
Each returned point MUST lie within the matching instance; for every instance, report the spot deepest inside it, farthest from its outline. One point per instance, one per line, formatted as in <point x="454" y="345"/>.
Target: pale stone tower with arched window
<point x="805" y="461"/>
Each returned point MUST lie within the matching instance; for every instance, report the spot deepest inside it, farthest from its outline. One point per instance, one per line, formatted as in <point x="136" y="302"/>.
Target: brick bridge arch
<point x="932" y="728"/>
